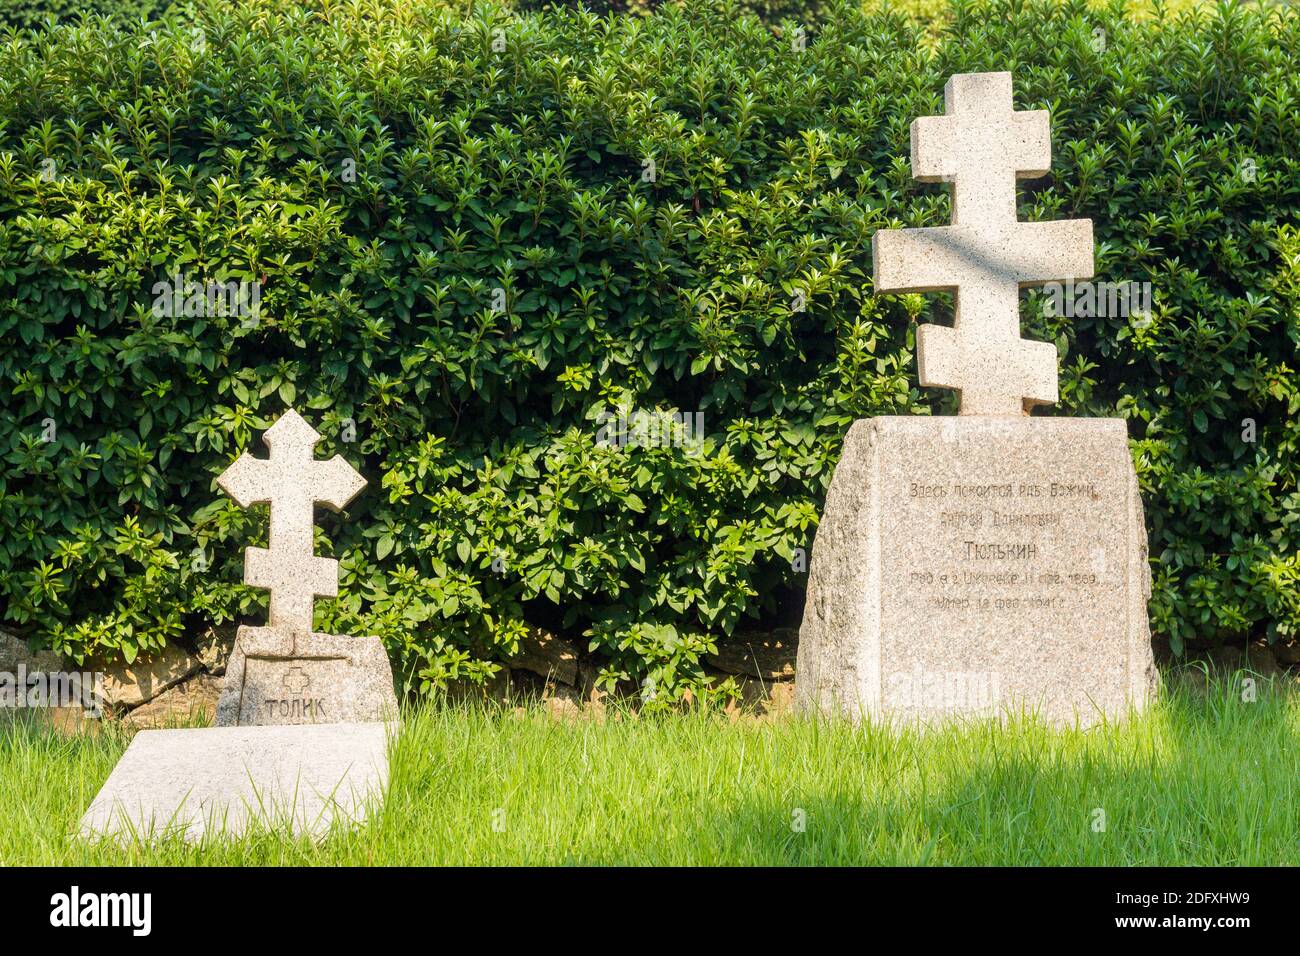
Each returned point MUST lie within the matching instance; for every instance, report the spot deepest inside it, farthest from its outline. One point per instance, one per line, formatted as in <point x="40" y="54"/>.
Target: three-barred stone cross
<point x="292" y="481"/>
<point x="981" y="146"/>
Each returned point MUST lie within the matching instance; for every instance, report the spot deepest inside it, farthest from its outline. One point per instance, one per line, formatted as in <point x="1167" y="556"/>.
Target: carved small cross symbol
<point x="292" y="482"/>
<point x="981" y="145"/>
<point x="296" y="681"/>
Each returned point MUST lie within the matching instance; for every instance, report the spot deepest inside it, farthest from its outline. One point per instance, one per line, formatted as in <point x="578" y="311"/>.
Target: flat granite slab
<point x="216" y="781"/>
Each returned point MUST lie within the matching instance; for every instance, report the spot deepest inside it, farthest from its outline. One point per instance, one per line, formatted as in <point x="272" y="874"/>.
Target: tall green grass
<point x="1199" y="779"/>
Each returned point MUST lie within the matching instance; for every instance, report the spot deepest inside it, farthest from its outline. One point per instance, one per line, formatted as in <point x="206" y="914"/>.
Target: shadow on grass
<point x="1209" y="780"/>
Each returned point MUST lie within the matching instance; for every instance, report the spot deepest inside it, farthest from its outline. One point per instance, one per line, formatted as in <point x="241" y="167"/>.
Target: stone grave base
<point x="977" y="566"/>
<point x="223" y="781"/>
<point x="278" y="677"/>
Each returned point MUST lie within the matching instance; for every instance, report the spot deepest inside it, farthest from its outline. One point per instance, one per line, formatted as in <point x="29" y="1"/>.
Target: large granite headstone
<point x="304" y="718"/>
<point x="991" y="563"/>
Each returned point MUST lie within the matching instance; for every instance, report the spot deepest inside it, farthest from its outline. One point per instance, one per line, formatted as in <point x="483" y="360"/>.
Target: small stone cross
<point x="292" y="481"/>
<point x="296" y="680"/>
<point x="982" y="145"/>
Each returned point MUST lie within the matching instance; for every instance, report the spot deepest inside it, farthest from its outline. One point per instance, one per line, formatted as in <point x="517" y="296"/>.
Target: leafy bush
<point x="32" y="14"/>
<point x="477" y="236"/>
<point x="770" y="11"/>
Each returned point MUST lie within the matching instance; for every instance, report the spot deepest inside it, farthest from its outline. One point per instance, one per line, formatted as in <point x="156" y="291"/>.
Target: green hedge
<point x="809" y="12"/>
<point x="511" y="153"/>
<point x="32" y="14"/>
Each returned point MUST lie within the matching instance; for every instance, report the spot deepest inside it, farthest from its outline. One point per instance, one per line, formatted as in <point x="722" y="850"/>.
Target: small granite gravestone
<point x="284" y="673"/>
<point x="302" y="737"/>
<point x="993" y="562"/>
